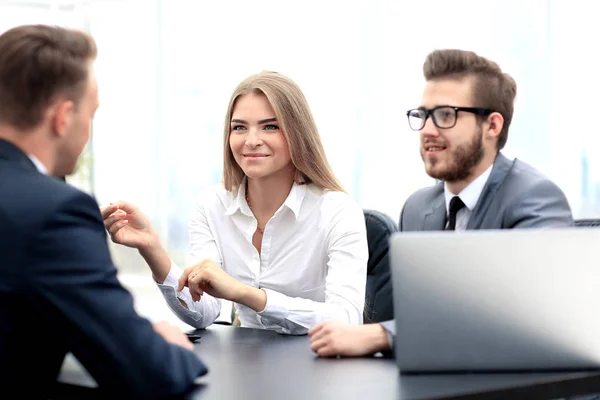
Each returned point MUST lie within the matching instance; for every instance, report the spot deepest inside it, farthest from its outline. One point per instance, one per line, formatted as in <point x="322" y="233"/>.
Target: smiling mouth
<point x="434" y="149"/>
<point x="255" y="155"/>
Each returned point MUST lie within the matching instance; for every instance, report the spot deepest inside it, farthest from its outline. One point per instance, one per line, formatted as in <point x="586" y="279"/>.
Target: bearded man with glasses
<point x="463" y="121"/>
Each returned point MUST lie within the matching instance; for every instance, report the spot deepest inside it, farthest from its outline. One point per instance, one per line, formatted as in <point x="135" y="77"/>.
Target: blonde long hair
<point x="298" y="126"/>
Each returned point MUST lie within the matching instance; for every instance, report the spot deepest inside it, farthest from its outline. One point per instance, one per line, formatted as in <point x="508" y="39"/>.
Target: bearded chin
<point x="462" y="162"/>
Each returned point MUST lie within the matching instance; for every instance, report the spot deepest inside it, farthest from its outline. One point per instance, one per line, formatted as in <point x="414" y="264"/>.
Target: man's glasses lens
<point x="416" y="119"/>
<point x="443" y="117"/>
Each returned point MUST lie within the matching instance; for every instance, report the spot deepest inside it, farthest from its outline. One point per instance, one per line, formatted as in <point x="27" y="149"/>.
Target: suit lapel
<point x="502" y="166"/>
<point x="435" y="219"/>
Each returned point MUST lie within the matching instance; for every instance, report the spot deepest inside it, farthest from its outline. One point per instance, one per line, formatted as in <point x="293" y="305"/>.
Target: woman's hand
<point x="208" y="277"/>
<point x="128" y="226"/>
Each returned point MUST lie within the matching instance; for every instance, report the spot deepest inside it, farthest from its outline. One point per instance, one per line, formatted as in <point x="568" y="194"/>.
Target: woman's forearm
<point x="158" y="260"/>
<point x="252" y="297"/>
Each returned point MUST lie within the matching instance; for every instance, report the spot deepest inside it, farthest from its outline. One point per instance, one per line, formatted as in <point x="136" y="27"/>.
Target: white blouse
<point x="312" y="265"/>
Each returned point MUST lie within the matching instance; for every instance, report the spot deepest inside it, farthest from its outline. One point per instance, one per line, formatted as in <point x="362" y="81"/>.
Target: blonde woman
<point x="281" y="238"/>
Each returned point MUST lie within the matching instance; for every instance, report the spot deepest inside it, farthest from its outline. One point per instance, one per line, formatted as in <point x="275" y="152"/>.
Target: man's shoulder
<point x="524" y="198"/>
<point x="420" y="203"/>
<point x="425" y="196"/>
<point x="523" y="178"/>
<point x="32" y="198"/>
<point x="42" y="218"/>
<point x="46" y="191"/>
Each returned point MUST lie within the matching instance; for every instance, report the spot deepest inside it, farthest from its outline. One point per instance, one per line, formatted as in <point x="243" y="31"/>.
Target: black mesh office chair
<point x="379" y="302"/>
<point x="587" y="222"/>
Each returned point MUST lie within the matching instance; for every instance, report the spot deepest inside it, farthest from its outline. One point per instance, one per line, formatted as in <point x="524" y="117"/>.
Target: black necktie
<point x="456" y="205"/>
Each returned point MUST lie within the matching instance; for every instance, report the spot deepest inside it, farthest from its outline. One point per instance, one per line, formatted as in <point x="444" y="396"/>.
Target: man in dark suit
<point x="59" y="291"/>
<point x="463" y="121"/>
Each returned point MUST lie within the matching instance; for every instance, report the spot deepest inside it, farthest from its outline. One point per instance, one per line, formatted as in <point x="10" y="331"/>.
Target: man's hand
<point x="329" y="339"/>
<point x="173" y="335"/>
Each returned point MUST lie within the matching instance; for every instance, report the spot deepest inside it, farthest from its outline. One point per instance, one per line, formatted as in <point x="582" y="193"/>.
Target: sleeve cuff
<point x="277" y="316"/>
<point x="274" y="310"/>
<point x="173" y="276"/>
<point x="185" y="314"/>
<point x="390" y="329"/>
<point x="172" y="281"/>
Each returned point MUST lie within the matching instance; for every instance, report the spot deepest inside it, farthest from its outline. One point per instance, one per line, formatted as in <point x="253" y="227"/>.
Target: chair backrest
<point x="379" y="302"/>
<point x="587" y="222"/>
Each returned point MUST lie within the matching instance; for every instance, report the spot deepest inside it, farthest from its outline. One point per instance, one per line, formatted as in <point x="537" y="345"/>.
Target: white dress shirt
<point x="312" y="265"/>
<point x="469" y="195"/>
<point x="38" y="164"/>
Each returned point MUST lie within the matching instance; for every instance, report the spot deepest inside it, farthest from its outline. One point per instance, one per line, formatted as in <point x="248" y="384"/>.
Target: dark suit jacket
<point x="516" y="195"/>
<point x="59" y="293"/>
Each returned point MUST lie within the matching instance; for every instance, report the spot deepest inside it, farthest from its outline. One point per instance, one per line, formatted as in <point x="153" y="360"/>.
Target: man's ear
<point x="62" y="115"/>
<point x="495" y="124"/>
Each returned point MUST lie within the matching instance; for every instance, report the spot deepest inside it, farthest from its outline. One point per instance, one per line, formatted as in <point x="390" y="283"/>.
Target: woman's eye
<point x="238" y="128"/>
<point x="271" y="127"/>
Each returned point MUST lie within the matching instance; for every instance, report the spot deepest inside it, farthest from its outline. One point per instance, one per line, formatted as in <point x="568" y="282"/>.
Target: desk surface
<point x="258" y="364"/>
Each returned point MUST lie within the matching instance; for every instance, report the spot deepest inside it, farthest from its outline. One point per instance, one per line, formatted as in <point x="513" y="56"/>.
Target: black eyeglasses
<point x="444" y="117"/>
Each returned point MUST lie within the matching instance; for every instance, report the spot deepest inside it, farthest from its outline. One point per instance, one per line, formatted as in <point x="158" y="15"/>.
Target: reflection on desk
<point x="258" y="364"/>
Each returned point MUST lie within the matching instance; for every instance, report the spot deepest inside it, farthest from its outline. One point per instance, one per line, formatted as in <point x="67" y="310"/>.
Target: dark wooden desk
<point x="256" y="364"/>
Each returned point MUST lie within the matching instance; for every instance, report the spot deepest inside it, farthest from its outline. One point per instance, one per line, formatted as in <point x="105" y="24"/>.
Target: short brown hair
<point x="297" y="124"/>
<point x="39" y="64"/>
<point x="492" y="88"/>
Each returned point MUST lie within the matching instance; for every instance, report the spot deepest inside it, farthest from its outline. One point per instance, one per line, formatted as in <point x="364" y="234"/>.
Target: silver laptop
<point x="509" y="300"/>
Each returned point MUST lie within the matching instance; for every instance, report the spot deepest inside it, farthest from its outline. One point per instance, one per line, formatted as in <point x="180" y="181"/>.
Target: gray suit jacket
<point x="516" y="195"/>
